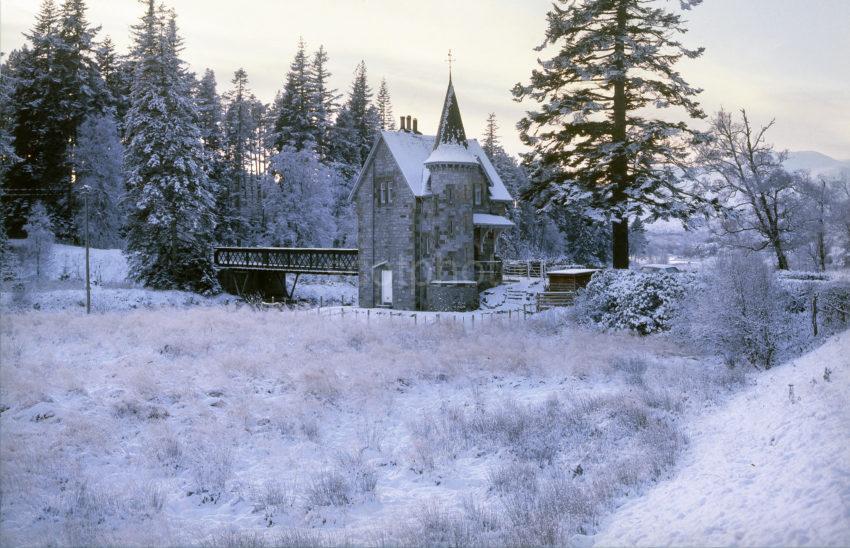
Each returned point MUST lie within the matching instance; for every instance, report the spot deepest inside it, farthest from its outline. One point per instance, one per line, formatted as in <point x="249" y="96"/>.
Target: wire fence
<point x="382" y="316"/>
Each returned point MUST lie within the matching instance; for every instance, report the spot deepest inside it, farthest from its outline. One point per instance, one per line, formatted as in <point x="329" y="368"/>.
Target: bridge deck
<point x="288" y="259"/>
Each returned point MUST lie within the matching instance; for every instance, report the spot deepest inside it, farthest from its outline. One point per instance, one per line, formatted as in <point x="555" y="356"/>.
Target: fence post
<point x="473" y="320"/>
<point x="368" y="315"/>
<point x="815" y="315"/>
<point x="414" y="319"/>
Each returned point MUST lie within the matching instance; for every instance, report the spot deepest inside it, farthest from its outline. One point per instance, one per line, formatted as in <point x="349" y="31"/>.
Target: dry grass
<point x="308" y="419"/>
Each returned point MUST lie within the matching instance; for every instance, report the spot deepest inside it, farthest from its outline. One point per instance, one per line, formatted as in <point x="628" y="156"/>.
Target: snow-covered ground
<point x="177" y="426"/>
<point x="769" y="468"/>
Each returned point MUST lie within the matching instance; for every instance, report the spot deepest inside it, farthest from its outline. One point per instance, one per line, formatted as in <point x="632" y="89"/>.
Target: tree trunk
<point x="620" y="243"/>
<point x="619" y="164"/>
<point x="781" y="259"/>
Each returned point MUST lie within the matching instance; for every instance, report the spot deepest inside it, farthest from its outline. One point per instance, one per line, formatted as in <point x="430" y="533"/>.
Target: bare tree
<point x="839" y="212"/>
<point x="817" y="197"/>
<point x="756" y="194"/>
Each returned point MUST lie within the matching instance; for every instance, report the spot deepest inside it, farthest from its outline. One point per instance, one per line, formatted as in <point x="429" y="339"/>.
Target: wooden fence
<point x="551" y="299"/>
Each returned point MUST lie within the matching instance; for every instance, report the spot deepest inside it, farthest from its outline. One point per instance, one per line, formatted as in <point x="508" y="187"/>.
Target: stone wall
<point x="386" y="234"/>
<point x="452" y="296"/>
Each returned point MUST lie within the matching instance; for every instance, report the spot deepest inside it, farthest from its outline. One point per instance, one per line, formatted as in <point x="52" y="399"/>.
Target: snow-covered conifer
<point x="293" y="127"/>
<point x="594" y="141"/>
<point x="170" y="202"/>
<point x="384" y="105"/>
<point x="323" y="103"/>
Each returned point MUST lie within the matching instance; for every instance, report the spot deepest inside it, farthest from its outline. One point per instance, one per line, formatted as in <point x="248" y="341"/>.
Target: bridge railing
<point x="288" y="259"/>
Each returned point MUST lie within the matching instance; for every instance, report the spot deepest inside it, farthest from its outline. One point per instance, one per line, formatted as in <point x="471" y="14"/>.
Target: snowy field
<point x="189" y="425"/>
<point x="771" y="468"/>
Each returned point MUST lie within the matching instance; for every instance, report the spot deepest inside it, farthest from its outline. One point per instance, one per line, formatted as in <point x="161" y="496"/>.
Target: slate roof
<point x="410" y="152"/>
<point x="414" y="152"/>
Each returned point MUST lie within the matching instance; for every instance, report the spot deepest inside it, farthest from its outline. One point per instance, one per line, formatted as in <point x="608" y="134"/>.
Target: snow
<point x="228" y="417"/>
<point x="411" y="152"/>
<point x="486" y="219"/>
<point x="451" y="154"/>
<point x="766" y="469"/>
<point x="574" y="271"/>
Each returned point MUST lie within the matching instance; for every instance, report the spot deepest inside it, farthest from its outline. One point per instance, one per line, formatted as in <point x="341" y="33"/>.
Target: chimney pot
<point x="408" y="122"/>
<point x="401" y="127"/>
<point x="415" y="124"/>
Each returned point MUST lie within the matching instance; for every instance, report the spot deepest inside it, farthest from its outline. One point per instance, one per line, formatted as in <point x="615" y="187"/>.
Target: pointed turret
<point x="450" y="130"/>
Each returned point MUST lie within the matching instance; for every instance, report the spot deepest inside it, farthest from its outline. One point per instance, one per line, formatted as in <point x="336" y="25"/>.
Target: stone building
<point x="429" y="213"/>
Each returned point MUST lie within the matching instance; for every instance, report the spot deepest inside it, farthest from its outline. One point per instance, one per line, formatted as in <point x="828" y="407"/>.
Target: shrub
<point x="739" y="313"/>
<point x="643" y="302"/>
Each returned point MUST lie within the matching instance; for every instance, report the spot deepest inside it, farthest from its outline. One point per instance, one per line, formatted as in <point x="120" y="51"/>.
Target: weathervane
<point x="449" y="60"/>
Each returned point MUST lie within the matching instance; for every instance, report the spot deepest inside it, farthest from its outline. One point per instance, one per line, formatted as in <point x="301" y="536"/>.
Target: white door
<point x="386" y="287"/>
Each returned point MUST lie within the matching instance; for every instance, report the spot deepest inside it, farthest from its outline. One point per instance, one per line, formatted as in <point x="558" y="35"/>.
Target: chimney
<point x="401" y="127"/>
<point x="408" y="123"/>
<point x="415" y="128"/>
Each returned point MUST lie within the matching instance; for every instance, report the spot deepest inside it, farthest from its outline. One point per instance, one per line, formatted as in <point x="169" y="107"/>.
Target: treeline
<point x="171" y="166"/>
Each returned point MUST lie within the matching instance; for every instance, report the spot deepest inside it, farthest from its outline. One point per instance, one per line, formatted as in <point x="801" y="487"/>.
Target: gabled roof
<point x="450" y="131"/>
<point x="410" y="151"/>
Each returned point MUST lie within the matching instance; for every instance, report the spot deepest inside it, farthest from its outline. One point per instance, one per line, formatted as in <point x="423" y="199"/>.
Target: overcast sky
<point x="788" y="59"/>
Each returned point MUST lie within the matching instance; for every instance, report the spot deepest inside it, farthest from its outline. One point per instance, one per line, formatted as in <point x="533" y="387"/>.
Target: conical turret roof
<point x="450" y="130"/>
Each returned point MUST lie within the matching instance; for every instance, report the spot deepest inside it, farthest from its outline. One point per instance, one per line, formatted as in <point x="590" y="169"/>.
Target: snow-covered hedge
<point x="643" y="302"/>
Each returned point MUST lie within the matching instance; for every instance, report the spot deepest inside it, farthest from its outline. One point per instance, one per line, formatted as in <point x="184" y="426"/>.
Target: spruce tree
<point x="239" y="130"/>
<point x="170" y="202"/>
<point x="293" y="127"/>
<point x="211" y="125"/>
<point x="117" y="74"/>
<point x="357" y="125"/>
<point x="491" y="138"/>
<point x="594" y="142"/>
<point x="383" y="103"/>
<point x="82" y="93"/>
<point x="323" y="103"/>
<point x="36" y="131"/>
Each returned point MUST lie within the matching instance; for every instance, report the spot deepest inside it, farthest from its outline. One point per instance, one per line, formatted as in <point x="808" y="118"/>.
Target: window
<point x="477" y="195"/>
<point x="449" y="194"/>
<point x="382" y="199"/>
<point x="390" y="192"/>
<point x="451" y="228"/>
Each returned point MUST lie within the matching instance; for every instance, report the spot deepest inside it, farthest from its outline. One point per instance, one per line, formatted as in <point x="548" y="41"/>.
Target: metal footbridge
<point x="262" y="270"/>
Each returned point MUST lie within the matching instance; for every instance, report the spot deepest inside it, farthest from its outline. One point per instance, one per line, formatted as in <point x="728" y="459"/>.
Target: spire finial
<point x="449" y="60"/>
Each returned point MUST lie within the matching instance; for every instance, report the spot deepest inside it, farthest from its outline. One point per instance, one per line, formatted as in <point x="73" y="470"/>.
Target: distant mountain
<point x="816" y="163"/>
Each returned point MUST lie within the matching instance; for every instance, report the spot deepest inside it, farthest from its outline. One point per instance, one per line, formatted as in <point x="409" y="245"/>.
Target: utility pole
<point x="86" y="189"/>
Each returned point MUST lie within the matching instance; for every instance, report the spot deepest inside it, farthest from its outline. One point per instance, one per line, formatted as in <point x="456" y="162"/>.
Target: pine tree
<point x="117" y="74"/>
<point x="356" y="126"/>
<point x="590" y="145"/>
<point x="293" y="127"/>
<point x="170" y="202"/>
<point x="35" y="128"/>
<point x="323" y="103"/>
<point x="99" y="171"/>
<point x="7" y="159"/>
<point x="386" y="120"/>
<point x="491" y="138"/>
<point x="239" y="130"/>
<point x="211" y="125"/>
<point x="82" y="93"/>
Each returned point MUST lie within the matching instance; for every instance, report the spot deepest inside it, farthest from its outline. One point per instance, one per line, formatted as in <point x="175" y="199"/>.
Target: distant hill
<point x="816" y="163"/>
